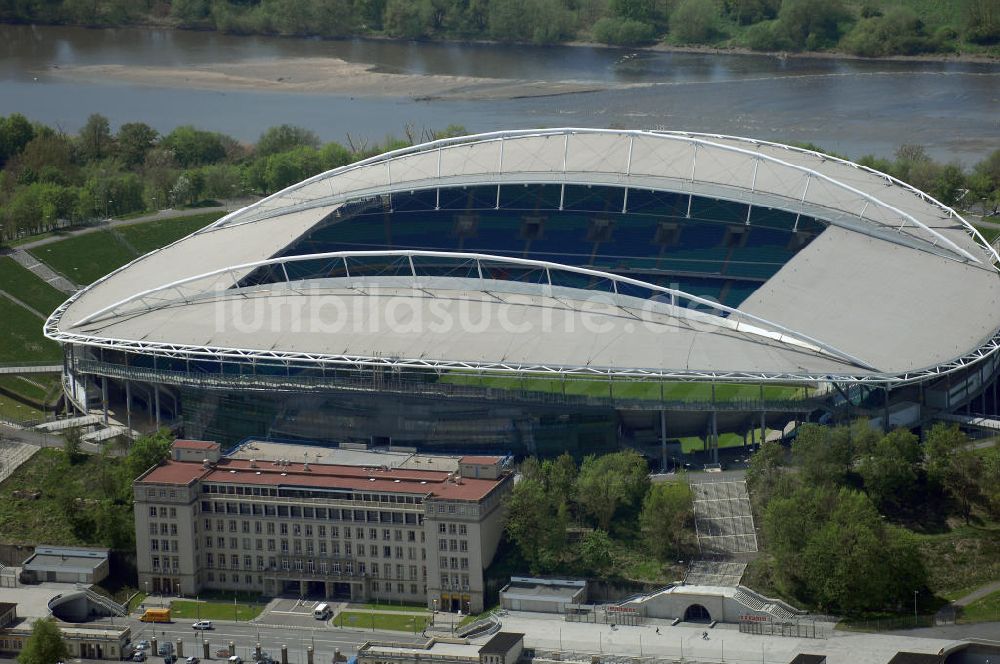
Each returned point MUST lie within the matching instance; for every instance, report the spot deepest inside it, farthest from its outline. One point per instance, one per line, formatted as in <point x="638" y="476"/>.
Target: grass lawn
<point x="396" y="607"/>
<point x="189" y="609"/>
<point x="49" y="517"/>
<point x="155" y="234"/>
<point x="84" y="258"/>
<point x="986" y="609"/>
<point x="21" y="332"/>
<point x="399" y="622"/>
<point x="37" y="387"/>
<point x="625" y="389"/>
<point x="12" y="409"/>
<point x="25" y="286"/>
<point x="87" y="258"/>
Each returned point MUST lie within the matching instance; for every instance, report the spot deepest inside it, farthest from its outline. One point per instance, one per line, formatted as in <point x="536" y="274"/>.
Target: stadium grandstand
<point x="543" y="290"/>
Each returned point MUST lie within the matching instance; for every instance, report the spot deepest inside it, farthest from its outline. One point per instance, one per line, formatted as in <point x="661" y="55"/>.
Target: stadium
<point x="549" y="290"/>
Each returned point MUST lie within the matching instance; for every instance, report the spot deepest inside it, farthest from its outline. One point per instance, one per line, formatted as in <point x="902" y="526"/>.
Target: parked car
<point x="139" y="656"/>
<point x="165" y="649"/>
<point x="170" y="659"/>
<point x="191" y="660"/>
<point x="203" y="624"/>
<point x="143" y="645"/>
<point x="235" y="659"/>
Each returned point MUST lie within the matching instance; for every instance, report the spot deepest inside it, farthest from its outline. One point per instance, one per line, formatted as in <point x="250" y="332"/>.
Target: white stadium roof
<point x="897" y="287"/>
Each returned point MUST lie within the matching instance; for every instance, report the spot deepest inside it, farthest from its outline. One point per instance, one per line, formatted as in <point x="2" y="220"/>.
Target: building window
<point x="465" y="563"/>
<point x="156" y="562"/>
<point x="173" y="512"/>
<point x="463" y="529"/>
<point x="452" y="528"/>
<point x="442" y="545"/>
<point x="152" y="511"/>
<point x="173" y="529"/>
<point x="463" y="546"/>
<point x="442" y="528"/>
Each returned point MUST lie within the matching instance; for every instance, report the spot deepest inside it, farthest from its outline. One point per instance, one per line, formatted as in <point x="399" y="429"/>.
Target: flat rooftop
<point x="426" y="483"/>
<point x="262" y="449"/>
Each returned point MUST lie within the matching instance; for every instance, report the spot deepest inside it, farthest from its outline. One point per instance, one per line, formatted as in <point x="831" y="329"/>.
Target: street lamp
<point x="915" y="593"/>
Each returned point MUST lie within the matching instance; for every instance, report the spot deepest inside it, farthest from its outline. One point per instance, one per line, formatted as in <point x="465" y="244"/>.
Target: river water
<point x="854" y="107"/>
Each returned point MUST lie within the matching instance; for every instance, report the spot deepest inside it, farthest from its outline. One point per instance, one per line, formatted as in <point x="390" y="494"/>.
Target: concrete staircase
<point x="775" y="608"/>
<point x="112" y="607"/>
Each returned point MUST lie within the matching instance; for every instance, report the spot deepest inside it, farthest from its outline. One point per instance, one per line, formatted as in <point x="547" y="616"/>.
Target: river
<point x="854" y="107"/>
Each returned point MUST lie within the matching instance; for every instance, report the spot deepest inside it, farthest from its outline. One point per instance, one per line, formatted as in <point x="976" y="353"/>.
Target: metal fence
<point x="802" y="629"/>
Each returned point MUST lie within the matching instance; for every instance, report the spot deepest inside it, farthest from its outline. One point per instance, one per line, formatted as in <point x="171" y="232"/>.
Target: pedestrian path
<point x="43" y="271"/>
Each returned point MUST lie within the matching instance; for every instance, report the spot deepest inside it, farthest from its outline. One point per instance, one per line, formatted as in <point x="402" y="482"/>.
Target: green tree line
<point x="862" y="27"/>
<point x="587" y="519"/>
<point x="50" y="178"/>
<point x="838" y="510"/>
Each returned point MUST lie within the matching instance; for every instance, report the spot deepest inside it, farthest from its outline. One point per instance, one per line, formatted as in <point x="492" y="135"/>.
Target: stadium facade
<point x="542" y="290"/>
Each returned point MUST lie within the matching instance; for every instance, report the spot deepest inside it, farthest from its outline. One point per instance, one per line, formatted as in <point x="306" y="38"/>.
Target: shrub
<point x="622" y="31"/>
<point x="695" y="21"/>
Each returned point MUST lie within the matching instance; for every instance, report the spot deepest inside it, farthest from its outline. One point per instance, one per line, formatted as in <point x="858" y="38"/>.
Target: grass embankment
<point x="21" y="332"/>
<point x="86" y="258"/>
<point x="395" y="621"/>
<point x="25" y="286"/>
<point x="12" y="409"/>
<point x="48" y="519"/>
<point x="962" y="559"/>
<point x="986" y="609"/>
<point x="214" y="610"/>
<point x="40" y="388"/>
<point x="625" y="389"/>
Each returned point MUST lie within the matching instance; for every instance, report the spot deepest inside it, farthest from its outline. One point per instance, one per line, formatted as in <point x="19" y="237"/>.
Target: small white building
<point x="64" y="564"/>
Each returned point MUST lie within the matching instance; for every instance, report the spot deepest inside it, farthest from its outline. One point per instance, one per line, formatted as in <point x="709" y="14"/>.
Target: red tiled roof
<point x="481" y="460"/>
<point x="326" y="476"/>
<point x="194" y="444"/>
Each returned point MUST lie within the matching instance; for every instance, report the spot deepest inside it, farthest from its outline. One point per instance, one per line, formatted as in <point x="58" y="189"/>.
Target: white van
<point x="322" y="611"/>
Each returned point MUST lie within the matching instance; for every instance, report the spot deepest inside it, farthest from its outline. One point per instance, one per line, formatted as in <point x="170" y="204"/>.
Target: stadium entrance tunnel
<point x="697" y="613"/>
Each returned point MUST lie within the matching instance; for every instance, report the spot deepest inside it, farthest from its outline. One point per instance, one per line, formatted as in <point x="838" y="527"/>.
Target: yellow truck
<point x="156" y="616"/>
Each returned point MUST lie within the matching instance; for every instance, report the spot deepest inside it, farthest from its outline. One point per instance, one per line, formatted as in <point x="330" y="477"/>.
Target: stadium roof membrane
<point x="897" y="287"/>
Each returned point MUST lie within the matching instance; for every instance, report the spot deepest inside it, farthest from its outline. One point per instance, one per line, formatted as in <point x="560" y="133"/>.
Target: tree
<point x="811" y="24"/>
<point x="764" y="471"/>
<point x="666" y="519"/>
<point x="611" y="482"/>
<point x="146" y="452"/>
<point x="596" y="551"/>
<point x="982" y="22"/>
<point x="635" y="10"/>
<point x="534" y="525"/>
<point x="15" y="133"/>
<point x="747" y="12"/>
<point x="73" y="438"/>
<point x="990" y="481"/>
<point x="823" y="454"/>
<point x="694" y="21"/>
<point x="890" y="471"/>
<point x="95" y="140"/>
<point x="285" y="137"/>
<point x="853" y="563"/>
<point x="135" y="140"/>
<point x="194" y="147"/>
<point x="45" y="645"/>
